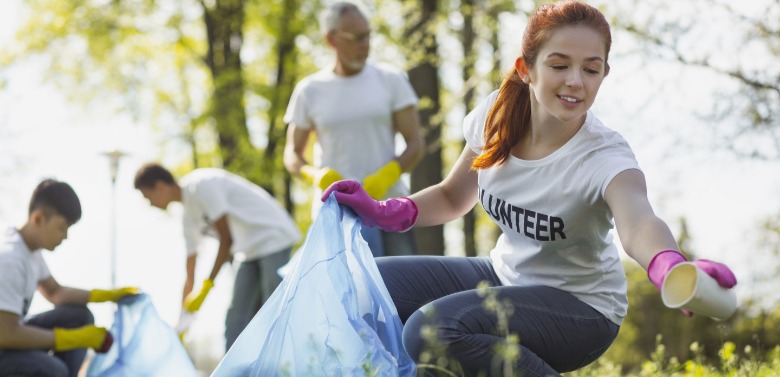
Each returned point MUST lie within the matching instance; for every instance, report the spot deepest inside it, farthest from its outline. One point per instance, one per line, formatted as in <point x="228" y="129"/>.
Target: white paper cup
<point x="688" y="287"/>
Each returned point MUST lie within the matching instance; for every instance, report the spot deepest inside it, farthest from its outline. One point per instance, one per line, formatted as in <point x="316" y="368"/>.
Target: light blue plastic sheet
<point x="144" y="345"/>
<point x="331" y="316"/>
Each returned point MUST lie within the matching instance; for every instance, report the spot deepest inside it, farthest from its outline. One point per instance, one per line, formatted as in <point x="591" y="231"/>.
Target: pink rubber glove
<point x="719" y="271"/>
<point x="665" y="260"/>
<point x="392" y="215"/>
<point x="661" y="264"/>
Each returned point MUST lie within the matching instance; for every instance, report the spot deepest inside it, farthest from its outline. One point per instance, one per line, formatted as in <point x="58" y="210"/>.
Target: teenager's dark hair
<point x="150" y="173"/>
<point x="510" y="115"/>
<point x="55" y="196"/>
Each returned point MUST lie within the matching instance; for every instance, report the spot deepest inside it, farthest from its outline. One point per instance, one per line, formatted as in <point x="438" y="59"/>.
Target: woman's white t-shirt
<point x="555" y="221"/>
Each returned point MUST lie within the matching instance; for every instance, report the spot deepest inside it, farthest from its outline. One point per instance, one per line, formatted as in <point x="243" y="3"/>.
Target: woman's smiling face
<point x="567" y="74"/>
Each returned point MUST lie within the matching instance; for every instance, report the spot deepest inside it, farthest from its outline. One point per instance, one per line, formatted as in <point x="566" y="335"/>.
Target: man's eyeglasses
<point x="354" y="37"/>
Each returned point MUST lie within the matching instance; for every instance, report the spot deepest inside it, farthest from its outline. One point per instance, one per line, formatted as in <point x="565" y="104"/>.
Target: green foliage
<point x="175" y="65"/>
<point x="728" y="364"/>
<point x="97" y="49"/>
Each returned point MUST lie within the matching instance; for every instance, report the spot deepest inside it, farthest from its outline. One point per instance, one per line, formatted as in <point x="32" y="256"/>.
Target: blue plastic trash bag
<point x="144" y="345"/>
<point x="331" y="316"/>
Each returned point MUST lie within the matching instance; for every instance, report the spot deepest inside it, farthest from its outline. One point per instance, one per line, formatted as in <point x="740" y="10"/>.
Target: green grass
<point x="729" y="364"/>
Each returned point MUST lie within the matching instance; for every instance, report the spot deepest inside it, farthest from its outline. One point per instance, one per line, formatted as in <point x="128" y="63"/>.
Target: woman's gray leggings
<point x="557" y="332"/>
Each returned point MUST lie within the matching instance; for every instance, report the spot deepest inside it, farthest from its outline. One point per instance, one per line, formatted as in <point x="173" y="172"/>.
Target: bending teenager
<point x="252" y="228"/>
<point x="554" y="178"/>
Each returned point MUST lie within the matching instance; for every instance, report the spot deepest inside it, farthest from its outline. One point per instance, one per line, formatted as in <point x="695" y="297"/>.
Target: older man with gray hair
<point x="355" y="108"/>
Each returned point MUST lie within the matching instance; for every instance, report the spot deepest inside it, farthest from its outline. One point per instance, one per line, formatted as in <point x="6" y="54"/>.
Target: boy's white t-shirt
<point x="555" y="221"/>
<point x="353" y="119"/>
<point x="20" y="273"/>
<point x="258" y="224"/>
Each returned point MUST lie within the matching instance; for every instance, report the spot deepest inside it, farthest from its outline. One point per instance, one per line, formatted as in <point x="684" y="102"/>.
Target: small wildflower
<point x="727" y="351"/>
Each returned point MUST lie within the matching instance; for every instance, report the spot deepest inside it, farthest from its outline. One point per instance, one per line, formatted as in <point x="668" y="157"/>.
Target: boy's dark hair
<point x="55" y="196"/>
<point x="150" y="173"/>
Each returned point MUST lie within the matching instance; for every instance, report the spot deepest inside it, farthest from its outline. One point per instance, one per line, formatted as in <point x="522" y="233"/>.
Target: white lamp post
<point x="113" y="160"/>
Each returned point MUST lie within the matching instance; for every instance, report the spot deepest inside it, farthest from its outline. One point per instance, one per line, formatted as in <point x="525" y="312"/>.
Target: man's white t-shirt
<point x="353" y="119"/>
<point x="258" y="225"/>
<point x="20" y="272"/>
<point x="555" y="221"/>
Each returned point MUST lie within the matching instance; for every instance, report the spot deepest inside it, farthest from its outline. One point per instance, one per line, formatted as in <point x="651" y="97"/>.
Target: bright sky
<point x="42" y="135"/>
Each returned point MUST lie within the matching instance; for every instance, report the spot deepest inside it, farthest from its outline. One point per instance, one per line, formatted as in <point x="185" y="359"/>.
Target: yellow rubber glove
<point x="102" y="295"/>
<point x="377" y="184"/>
<point x="322" y="177"/>
<point x="195" y="299"/>
<point x="88" y="336"/>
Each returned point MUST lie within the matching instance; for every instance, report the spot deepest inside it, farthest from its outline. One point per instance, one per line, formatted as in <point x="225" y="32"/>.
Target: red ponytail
<point x="506" y="121"/>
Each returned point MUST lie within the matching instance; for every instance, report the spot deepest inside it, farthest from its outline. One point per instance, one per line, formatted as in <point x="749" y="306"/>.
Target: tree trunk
<point x="467" y="39"/>
<point x="421" y="33"/>
<point x="285" y="82"/>
<point x="496" y="74"/>
<point x="224" y="21"/>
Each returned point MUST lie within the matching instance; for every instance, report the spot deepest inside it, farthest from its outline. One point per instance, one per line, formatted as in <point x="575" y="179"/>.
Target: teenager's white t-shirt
<point x="353" y="119"/>
<point x="20" y="273"/>
<point x="258" y="225"/>
<point x="555" y="222"/>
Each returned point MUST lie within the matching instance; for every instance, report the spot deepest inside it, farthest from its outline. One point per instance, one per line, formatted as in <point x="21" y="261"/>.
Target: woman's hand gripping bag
<point x="144" y="345"/>
<point x="331" y="316"/>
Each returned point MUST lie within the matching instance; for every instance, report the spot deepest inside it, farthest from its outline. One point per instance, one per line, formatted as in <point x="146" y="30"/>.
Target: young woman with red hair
<point x="554" y="178"/>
